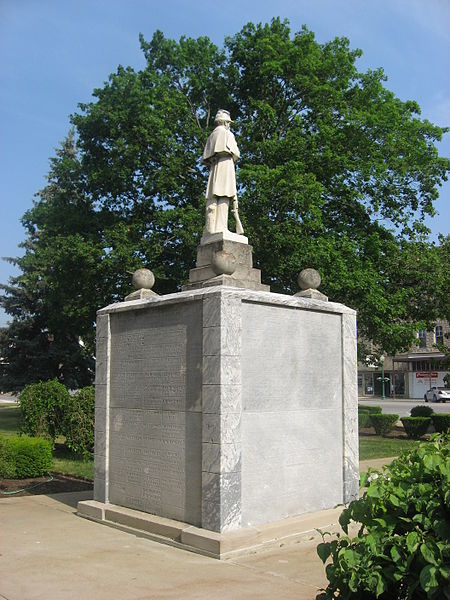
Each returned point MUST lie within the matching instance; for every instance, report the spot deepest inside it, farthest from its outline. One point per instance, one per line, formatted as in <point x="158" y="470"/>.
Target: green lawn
<point x="63" y="460"/>
<point x="9" y="420"/>
<point x="379" y="447"/>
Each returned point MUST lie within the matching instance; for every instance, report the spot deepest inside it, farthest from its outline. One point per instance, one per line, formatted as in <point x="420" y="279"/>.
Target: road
<point x="402" y="408"/>
<point x="6" y="398"/>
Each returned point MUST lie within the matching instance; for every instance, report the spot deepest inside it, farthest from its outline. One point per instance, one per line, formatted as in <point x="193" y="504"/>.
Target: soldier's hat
<point x="222" y="115"/>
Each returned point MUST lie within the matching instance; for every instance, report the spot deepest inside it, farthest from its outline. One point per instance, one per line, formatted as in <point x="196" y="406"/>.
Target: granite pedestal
<point x="225" y="408"/>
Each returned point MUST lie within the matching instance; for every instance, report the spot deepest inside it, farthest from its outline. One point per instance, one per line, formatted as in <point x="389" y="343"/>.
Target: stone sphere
<point x="309" y="279"/>
<point x="143" y="279"/>
<point x="223" y="263"/>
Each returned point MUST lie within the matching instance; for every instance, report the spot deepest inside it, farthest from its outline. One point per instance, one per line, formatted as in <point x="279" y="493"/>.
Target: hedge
<point x="370" y="409"/>
<point x="42" y="408"/>
<point x="78" y="423"/>
<point x="421" y="411"/>
<point x="364" y="413"/>
<point x="416" y="427"/>
<point x="383" y="424"/>
<point x="23" y="457"/>
<point x="441" y="423"/>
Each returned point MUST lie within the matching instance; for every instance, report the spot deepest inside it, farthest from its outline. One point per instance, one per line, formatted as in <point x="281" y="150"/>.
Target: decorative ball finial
<point x="143" y="279"/>
<point x="309" y="279"/>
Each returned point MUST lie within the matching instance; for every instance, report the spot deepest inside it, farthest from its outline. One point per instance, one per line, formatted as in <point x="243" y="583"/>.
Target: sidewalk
<point x="47" y="552"/>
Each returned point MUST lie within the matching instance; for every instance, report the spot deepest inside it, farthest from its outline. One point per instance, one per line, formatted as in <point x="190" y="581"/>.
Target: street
<point x="402" y="408"/>
<point x="7" y="398"/>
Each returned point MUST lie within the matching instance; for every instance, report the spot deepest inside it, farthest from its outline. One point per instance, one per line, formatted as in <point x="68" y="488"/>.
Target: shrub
<point x="441" y="423"/>
<point x="383" y="424"/>
<point x="42" y="406"/>
<point x="364" y="413"/>
<point x="25" y="457"/>
<point x="421" y="411"/>
<point x="375" y="410"/>
<point x="416" y="427"/>
<point x="7" y="466"/>
<point x="364" y="420"/>
<point x="78" y="424"/>
<point x="402" y="548"/>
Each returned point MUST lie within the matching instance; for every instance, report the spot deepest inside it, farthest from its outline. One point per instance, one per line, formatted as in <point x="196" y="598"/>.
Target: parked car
<point x="437" y="394"/>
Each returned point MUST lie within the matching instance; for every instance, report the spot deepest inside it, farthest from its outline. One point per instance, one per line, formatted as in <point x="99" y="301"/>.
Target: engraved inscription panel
<point x="155" y="411"/>
<point x="292" y="422"/>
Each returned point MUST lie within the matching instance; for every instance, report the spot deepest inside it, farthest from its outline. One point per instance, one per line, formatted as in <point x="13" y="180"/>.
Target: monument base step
<point x="227" y="281"/>
<point x="209" y="543"/>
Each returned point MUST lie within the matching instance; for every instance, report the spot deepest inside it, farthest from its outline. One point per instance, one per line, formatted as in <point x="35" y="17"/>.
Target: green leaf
<point x="324" y="551"/>
<point x="395" y="554"/>
<point x="344" y="520"/>
<point x="430" y="552"/>
<point x="412" y="541"/>
<point x="427" y="578"/>
<point x="394" y="500"/>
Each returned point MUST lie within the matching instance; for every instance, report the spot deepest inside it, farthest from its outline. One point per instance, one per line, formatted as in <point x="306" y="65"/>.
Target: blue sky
<point x="53" y="53"/>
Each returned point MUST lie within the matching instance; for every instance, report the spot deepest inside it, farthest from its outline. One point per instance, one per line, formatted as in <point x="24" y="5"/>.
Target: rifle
<point x="239" y="228"/>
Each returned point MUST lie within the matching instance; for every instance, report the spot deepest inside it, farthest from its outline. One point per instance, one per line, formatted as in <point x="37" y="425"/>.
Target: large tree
<point x="336" y="173"/>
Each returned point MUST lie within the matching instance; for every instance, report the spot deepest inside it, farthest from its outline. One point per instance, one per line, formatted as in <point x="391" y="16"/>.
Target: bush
<point x="441" y="423"/>
<point x="402" y="548"/>
<point x="364" y="420"/>
<point x="416" y="427"/>
<point x="42" y="406"/>
<point x="7" y="466"/>
<point x="373" y="410"/>
<point x="22" y="457"/>
<point x="421" y="411"/>
<point x="383" y="424"/>
<point x="364" y="413"/>
<point x="78" y="424"/>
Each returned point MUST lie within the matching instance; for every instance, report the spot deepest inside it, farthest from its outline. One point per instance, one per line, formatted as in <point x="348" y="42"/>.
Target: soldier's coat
<point x="220" y="154"/>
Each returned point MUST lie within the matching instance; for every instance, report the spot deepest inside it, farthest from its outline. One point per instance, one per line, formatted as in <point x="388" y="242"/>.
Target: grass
<point x="379" y="447"/>
<point x="9" y="420"/>
<point x="63" y="460"/>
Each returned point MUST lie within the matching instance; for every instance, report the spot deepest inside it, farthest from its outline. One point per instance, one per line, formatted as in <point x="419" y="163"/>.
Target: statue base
<point x="237" y="268"/>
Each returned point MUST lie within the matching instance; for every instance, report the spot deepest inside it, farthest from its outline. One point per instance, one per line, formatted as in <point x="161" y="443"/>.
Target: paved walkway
<point x="47" y="552"/>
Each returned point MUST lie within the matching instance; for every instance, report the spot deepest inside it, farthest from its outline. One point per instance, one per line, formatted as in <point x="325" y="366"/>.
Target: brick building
<point x="412" y="373"/>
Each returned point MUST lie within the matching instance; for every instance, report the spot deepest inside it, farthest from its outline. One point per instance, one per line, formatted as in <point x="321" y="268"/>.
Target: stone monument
<point x="224" y="413"/>
<point x="223" y="257"/>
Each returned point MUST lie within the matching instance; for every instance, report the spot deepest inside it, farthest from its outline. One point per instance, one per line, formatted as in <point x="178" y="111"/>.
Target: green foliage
<point x="23" y="457"/>
<point x="383" y="424"/>
<point x="381" y="447"/>
<point x="7" y="463"/>
<point x="372" y="410"/>
<point x="42" y="408"/>
<point x="402" y="549"/>
<point x="78" y="423"/>
<point x="416" y="427"/>
<point x="364" y="413"/>
<point x="441" y="423"/>
<point x="421" y="411"/>
<point x="364" y="420"/>
<point x="336" y="172"/>
<point x="9" y="420"/>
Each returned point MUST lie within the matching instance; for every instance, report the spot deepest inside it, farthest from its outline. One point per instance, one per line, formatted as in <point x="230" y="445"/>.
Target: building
<point x="412" y="373"/>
